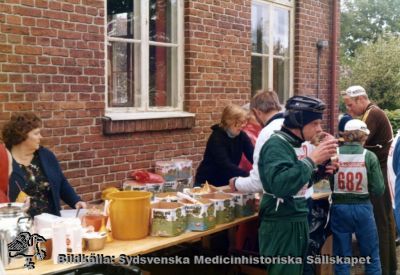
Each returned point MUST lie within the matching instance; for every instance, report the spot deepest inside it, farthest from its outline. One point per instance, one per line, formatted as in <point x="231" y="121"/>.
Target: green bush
<point x="376" y="67"/>
<point x="394" y="117"/>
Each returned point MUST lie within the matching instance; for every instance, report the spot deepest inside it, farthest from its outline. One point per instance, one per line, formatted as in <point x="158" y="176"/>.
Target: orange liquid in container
<point x="94" y="220"/>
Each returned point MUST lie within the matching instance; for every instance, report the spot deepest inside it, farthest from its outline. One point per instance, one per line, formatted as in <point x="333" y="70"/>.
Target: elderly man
<point x="379" y="140"/>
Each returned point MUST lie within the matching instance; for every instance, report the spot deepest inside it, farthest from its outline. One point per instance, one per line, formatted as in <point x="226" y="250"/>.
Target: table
<point x="321" y="196"/>
<point x="137" y="247"/>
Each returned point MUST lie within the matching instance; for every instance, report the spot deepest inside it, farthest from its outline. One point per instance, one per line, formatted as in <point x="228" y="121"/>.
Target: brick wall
<point x="52" y="62"/>
<point x="217" y="60"/>
<point x="314" y="22"/>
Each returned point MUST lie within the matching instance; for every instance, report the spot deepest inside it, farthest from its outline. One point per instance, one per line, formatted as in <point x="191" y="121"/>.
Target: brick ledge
<point x="111" y="127"/>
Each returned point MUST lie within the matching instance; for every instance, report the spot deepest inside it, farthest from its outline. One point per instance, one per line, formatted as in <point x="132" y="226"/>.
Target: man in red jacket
<point x="5" y="171"/>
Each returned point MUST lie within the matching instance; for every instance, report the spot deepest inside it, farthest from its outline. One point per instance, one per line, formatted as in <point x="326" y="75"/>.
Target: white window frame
<point x="144" y="111"/>
<point x="287" y="5"/>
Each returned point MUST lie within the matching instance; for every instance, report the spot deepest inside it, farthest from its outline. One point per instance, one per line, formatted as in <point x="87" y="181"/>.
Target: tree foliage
<point x="364" y="21"/>
<point x="394" y="118"/>
<point x="376" y="67"/>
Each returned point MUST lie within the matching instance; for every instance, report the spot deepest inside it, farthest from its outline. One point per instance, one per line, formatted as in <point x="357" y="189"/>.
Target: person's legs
<point x="280" y="239"/>
<point x="342" y="228"/>
<point x="396" y="211"/>
<point x="317" y="217"/>
<point x="367" y="237"/>
<point x="247" y="236"/>
<point x="384" y="219"/>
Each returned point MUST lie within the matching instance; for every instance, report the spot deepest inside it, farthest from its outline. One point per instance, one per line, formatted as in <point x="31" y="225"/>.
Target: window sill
<point x="121" y="123"/>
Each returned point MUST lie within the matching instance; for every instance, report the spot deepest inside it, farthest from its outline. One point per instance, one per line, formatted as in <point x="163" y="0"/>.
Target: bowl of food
<point x="166" y="196"/>
<point x="197" y="192"/>
<point x="95" y="241"/>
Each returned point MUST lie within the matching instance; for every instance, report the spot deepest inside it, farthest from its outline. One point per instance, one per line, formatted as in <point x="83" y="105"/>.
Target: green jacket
<point x="374" y="173"/>
<point x="283" y="175"/>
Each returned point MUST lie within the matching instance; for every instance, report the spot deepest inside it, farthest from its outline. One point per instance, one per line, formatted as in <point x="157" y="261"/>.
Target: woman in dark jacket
<point x="36" y="171"/>
<point x="224" y="149"/>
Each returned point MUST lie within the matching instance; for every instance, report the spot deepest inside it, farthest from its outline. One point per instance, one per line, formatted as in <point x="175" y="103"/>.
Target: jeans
<point x="359" y="219"/>
<point x="397" y="210"/>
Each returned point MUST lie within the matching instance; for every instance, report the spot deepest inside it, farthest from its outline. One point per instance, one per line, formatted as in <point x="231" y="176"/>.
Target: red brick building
<point x="120" y="84"/>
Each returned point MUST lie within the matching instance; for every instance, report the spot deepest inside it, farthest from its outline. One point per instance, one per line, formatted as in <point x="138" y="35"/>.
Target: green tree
<point x="364" y="21"/>
<point x="376" y="67"/>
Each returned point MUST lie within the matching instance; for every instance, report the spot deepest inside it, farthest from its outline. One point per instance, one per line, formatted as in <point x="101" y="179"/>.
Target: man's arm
<point x="376" y="184"/>
<point x="280" y="172"/>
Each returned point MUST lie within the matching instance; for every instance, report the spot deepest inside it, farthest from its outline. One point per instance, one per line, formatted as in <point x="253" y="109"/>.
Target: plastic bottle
<point x="59" y="240"/>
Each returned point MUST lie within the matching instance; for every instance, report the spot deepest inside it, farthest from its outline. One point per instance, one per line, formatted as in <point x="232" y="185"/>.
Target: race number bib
<point x="352" y="174"/>
<point x="301" y="153"/>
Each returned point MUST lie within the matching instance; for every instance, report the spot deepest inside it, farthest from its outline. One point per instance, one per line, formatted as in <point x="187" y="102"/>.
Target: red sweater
<point x="3" y="174"/>
<point x="252" y="130"/>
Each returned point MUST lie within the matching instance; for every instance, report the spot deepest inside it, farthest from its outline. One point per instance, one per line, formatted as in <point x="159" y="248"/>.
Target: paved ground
<point x="359" y="270"/>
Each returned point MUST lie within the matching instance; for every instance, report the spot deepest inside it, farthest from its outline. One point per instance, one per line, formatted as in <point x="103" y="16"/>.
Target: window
<point x="271" y="37"/>
<point x="144" y="56"/>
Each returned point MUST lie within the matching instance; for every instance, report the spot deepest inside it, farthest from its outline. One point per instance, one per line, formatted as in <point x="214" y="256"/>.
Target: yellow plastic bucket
<point x="129" y="214"/>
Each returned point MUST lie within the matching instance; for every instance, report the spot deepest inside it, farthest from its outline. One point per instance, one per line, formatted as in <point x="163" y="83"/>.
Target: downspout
<point x="334" y="65"/>
<point x="320" y="45"/>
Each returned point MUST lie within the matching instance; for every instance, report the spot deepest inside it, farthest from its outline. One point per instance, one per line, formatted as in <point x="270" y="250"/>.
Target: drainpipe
<point x="333" y="65"/>
<point x="320" y="45"/>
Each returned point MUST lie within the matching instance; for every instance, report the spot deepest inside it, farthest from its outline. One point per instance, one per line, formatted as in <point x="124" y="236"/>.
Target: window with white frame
<point x="144" y="56"/>
<point x="271" y="37"/>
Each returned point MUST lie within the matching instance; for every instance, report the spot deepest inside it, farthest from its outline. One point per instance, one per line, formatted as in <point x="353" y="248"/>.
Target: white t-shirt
<point x="252" y="183"/>
<point x="390" y="172"/>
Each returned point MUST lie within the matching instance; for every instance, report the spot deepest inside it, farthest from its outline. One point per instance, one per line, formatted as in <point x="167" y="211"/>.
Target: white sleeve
<point x="252" y="183"/>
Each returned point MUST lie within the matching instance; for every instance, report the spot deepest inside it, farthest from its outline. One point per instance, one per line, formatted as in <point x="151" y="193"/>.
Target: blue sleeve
<point x="396" y="161"/>
<point x="67" y="193"/>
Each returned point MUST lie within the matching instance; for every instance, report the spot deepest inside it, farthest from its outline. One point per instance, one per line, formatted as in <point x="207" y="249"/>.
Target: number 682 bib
<point x="352" y="174"/>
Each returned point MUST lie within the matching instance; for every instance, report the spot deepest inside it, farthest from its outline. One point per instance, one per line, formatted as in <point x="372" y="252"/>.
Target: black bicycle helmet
<point x="297" y="105"/>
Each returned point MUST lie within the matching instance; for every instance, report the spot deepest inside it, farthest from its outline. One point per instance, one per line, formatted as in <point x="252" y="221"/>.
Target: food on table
<point x="224" y="205"/>
<point x="168" y="219"/>
<point x="200" y="216"/>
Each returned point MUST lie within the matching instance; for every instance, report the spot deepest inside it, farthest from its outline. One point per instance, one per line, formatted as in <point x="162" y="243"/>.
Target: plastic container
<point x="170" y="186"/>
<point x="94" y="220"/>
<point x="183" y="168"/>
<point x="47" y="246"/>
<point x="245" y="203"/>
<point x="184" y="183"/>
<point x="168" y="219"/>
<point x="166" y="196"/>
<point x="224" y="206"/>
<point x="130" y="214"/>
<point x="167" y="170"/>
<point x="59" y="241"/>
<point x="197" y="192"/>
<point x="132" y="185"/>
<point x="322" y="186"/>
<point x="200" y="217"/>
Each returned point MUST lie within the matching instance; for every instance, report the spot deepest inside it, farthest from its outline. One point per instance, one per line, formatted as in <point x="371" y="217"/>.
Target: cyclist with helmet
<point x="286" y="172"/>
